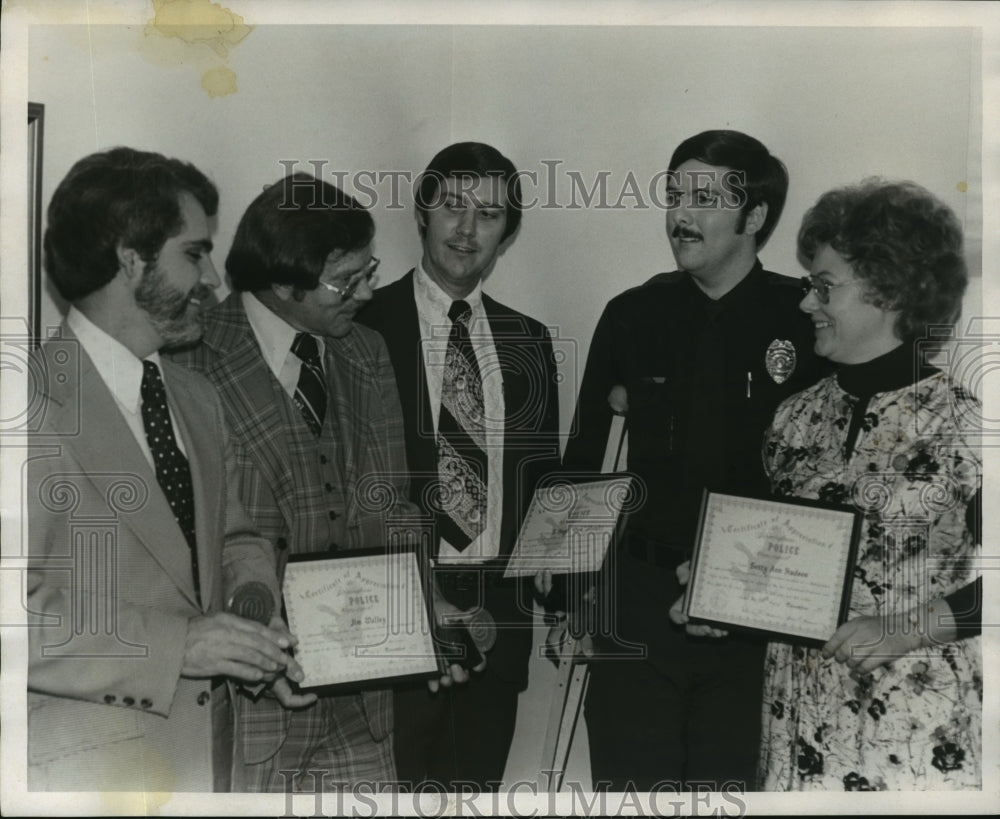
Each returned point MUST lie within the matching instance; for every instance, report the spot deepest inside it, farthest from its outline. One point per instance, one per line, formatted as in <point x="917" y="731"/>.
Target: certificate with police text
<point x="361" y="618"/>
<point x="778" y="567"/>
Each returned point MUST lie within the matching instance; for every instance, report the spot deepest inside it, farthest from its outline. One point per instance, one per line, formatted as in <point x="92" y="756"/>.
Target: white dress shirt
<point x="121" y="372"/>
<point x="275" y="337"/>
<point x="435" y="327"/>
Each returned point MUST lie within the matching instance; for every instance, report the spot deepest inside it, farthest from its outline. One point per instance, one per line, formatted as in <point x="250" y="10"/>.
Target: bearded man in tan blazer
<point x="137" y="539"/>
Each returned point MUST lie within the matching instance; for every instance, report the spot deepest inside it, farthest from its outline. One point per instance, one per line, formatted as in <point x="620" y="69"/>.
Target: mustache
<point x="200" y="292"/>
<point x="681" y="232"/>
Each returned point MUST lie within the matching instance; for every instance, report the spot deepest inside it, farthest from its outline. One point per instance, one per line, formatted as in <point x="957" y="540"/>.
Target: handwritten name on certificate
<point x="359" y="618"/>
<point x="772" y="566"/>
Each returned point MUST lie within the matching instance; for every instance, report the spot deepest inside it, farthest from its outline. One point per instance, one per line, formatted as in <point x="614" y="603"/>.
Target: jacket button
<point x="203" y="697"/>
<point x="322" y="459"/>
<point x="129" y="701"/>
<point x="109" y="698"/>
<point x="146" y="703"/>
<point x="328" y="487"/>
<point x="333" y="515"/>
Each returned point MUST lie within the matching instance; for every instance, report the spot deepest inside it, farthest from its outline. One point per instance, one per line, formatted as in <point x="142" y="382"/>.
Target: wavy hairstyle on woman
<point x="903" y="242"/>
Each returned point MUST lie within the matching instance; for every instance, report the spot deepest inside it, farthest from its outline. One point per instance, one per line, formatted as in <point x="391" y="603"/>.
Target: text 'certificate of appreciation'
<point x="359" y="618"/>
<point x="782" y="567"/>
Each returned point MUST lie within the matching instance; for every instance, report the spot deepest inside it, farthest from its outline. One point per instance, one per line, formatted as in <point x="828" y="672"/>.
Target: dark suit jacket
<point x="110" y="587"/>
<point x="531" y="427"/>
<point x="280" y="483"/>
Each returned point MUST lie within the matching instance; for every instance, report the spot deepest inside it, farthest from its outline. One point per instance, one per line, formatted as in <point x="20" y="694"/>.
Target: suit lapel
<point x="402" y="336"/>
<point x="107" y="451"/>
<point x="350" y="389"/>
<point x="252" y="396"/>
<point x="515" y="388"/>
<point x="511" y="371"/>
<point x="200" y="439"/>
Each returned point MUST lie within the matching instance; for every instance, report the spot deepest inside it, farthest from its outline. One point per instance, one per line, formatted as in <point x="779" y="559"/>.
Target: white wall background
<point x="836" y="104"/>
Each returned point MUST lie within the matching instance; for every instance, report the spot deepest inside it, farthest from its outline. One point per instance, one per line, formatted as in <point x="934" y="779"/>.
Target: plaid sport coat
<point x="276" y="454"/>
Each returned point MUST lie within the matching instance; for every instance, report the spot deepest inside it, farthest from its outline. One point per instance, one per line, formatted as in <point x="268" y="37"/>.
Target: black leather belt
<point x="462" y="586"/>
<point x="655" y="552"/>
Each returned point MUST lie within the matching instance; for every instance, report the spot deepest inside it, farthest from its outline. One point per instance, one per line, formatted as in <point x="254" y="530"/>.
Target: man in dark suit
<point x="137" y="539"/>
<point x="705" y="354"/>
<point x="315" y="413"/>
<point x="478" y="383"/>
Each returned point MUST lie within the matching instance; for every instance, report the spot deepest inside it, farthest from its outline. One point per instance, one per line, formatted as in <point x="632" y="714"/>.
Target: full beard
<point x="171" y="312"/>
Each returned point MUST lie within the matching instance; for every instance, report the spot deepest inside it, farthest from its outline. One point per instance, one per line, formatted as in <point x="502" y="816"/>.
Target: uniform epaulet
<point x="672" y="277"/>
<point x="640" y="292"/>
<point x="779" y="280"/>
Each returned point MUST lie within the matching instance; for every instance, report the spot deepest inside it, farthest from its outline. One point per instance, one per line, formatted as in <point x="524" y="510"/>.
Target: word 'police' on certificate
<point x="569" y="527"/>
<point x="360" y="618"/>
<point x="779" y="567"/>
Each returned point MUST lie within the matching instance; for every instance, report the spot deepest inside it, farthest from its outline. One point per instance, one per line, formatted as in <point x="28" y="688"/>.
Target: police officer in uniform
<point x="705" y="354"/>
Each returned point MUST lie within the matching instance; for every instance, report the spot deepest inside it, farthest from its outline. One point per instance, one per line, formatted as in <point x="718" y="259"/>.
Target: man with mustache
<point x="705" y="355"/>
<point x="314" y="409"/>
<point x="136" y="536"/>
<point x="478" y="379"/>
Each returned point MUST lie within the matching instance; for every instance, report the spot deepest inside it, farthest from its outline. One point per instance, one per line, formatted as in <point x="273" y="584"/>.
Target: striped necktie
<point x="461" y="440"/>
<point x="310" y="391"/>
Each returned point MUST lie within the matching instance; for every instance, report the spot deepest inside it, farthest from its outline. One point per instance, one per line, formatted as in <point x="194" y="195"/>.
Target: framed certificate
<point x="361" y="618"/>
<point x="778" y="567"/>
<point x="569" y="526"/>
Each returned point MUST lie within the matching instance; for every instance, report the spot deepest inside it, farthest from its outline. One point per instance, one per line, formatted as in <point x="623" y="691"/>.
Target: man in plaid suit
<point x="307" y="430"/>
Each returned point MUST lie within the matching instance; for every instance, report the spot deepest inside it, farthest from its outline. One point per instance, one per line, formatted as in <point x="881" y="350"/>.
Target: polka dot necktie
<point x="461" y="441"/>
<point x="310" y="391"/>
<point x="172" y="470"/>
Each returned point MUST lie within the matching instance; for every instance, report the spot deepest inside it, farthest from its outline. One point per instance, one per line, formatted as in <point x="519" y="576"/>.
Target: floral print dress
<point x="914" y="724"/>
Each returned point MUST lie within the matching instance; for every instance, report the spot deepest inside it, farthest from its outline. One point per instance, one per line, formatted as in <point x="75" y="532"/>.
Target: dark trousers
<point x="459" y="735"/>
<point x="688" y="712"/>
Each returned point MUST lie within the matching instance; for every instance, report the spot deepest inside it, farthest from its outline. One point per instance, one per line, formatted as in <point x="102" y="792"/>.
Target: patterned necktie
<point x="461" y="441"/>
<point x="172" y="470"/>
<point x="310" y="392"/>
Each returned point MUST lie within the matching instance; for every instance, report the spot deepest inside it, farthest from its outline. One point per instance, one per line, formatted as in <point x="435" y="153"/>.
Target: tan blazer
<point x="110" y="590"/>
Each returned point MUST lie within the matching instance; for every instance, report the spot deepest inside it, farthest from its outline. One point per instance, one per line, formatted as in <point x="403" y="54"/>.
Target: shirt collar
<point x="274" y="334"/>
<point x="432" y="296"/>
<point x="118" y="366"/>
<point x="744" y="287"/>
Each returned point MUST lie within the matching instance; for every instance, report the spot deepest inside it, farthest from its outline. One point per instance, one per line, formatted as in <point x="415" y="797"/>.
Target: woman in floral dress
<point x="894" y="700"/>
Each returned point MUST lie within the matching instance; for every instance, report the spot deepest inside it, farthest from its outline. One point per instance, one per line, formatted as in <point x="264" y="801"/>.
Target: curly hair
<point x="117" y="197"/>
<point x="901" y="241"/>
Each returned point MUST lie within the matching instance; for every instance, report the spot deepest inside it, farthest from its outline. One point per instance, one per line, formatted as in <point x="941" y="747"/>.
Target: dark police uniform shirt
<point x="699" y="392"/>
